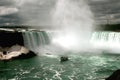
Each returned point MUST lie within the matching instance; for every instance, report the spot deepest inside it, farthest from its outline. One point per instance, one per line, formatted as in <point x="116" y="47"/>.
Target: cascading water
<point x="108" y="37"/>
<point x="108" y="41"/>
<point x="33" y="39"/>
<point x="75" y="22"/>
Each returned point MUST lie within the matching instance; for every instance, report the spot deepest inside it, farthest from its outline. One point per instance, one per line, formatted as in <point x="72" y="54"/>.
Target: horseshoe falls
<point x="101" y="40"/>
<point x="92" y="55"/>
<point x="81" y="66"/>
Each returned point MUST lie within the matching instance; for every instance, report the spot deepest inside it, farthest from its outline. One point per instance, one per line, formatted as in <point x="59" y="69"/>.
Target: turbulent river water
<point x="75" y="21"/>
<point x="91" y="65"/>
<point x="79" y="67"/>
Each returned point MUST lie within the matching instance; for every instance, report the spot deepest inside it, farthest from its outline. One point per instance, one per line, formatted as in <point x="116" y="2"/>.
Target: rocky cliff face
<point x="9" y="38"/>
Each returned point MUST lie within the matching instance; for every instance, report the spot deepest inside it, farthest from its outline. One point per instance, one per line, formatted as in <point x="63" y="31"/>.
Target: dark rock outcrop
<point x="7" y="38"/>
<point x="115" y="75"/>
<point x="16" y="52"/>
<point x="30" y="54"/>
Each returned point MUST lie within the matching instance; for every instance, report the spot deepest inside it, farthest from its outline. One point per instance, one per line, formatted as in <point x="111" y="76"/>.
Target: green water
<point x="79" y="67"/>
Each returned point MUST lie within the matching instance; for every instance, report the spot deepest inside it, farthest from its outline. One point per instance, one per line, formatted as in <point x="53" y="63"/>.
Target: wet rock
<point x="30" y="54"/>
<point x="114" y="76"/>
<point x="8" y="39"/>
<point x="16" y="52"/>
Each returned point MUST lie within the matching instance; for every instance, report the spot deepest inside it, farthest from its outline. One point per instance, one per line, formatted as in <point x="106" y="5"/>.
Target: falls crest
<point x="106" y="37"/>
<point x="106" y="41"/>
<point x="33" y="39"/>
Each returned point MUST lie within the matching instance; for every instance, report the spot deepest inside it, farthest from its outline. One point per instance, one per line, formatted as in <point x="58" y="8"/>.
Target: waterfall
<point x="33" y="39"/>
<point x="109" y="41"/>
<point x="106" y="37"/>
<point x="100" y="40"/>
<point x="74" y="22"/>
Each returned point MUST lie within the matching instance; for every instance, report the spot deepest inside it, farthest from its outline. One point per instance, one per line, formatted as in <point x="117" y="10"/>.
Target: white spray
<point x="75" y="22"/>
<point x="73" y="19"/>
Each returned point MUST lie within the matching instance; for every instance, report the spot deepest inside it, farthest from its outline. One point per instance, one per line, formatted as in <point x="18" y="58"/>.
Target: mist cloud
<point x="38" y="12"/>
